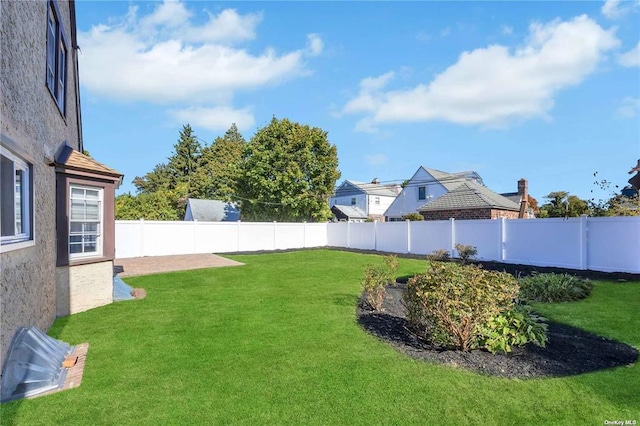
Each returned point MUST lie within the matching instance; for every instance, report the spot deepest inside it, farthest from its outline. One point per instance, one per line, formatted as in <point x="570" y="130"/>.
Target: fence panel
<point x="544" y="242"/>
<point x="215" y="237"/>
<point x="428" y="236"/>
<point x="614" y="244"/>
<point x="128" y="241"/>
<point x="485" y="235"/>
<point x="338" y="234"/>
<point x="362" y="236"/>
<point x="289" y="235"/>
<point x="166" y="238"/>
<point x="393" y="237"/>
<point x="316" y="235"/>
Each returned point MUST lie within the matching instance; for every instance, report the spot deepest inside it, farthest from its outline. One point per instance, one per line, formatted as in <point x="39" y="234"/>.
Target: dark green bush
<point x="466" y="253"/>
<point x="415" y="216"/>
<point x="551" y="287"/>
<point x="375" y="278"/>
<point x="450" y="302"/>
<point x="514" y="327"/>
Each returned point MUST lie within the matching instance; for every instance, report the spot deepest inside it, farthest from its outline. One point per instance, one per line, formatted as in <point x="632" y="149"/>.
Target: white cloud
<point x="216" y="118"/>
<point x="491" y="86"/>
<point x="314" y="44"/>
<point x="630" y="58"/>
<point x="163" y="57"/>
<point x="376" y="159"/>
<point x="615" y="9"/>
<point x="629" y="108"/>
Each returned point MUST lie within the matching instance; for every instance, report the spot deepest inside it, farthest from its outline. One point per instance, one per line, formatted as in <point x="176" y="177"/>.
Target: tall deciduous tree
<point x="219" y="167"/>
<point x="288" y="173"/>
<point x="561" y="204"/>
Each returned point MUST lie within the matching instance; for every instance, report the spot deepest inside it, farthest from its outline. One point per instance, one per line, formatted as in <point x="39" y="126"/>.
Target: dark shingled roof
<point x="470" y="195"/>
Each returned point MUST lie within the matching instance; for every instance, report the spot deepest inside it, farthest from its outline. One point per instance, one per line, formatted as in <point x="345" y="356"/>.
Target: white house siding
<point x="32" y="126"/>
<point x="408" y="202"/>
<point x="379" y="209"/>
<point x="361" y="201"/>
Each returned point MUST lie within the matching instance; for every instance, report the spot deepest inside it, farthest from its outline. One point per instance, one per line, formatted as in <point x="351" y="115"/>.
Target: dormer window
<point x="422" y="193"/>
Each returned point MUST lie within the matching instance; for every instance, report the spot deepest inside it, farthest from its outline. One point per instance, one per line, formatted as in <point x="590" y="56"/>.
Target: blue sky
<point x="548" y="91"/>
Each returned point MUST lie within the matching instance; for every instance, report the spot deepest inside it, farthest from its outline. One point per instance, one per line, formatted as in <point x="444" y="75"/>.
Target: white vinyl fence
<point x="157" y="238"/>
<point x="609" y="244"/>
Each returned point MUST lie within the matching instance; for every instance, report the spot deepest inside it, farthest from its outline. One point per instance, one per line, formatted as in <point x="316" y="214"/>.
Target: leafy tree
<point x="626" y="203"/>
<point x="561" y="204"/>
<point x="219" y="167"/>
<point x="159" y="178"/>
<point x="288" y="173"/>
<point x="160" y="205"/>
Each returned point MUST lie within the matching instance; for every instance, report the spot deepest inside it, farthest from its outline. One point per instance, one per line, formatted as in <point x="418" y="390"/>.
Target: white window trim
<point x="100" y="238"/>
<point x="25" y="238"/>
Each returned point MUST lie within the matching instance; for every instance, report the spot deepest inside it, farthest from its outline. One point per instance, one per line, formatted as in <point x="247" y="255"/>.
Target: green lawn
<point x="276" y="341"/>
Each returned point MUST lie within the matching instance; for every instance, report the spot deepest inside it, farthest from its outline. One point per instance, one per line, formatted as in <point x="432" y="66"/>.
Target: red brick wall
<point x="469" y="214"/>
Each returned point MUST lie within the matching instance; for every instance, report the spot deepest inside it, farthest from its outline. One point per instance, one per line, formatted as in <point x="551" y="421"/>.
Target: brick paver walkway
<point x="158" y="264"/>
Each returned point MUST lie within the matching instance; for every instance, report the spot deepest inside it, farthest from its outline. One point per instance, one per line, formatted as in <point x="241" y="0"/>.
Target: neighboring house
<point x="211" y="211"/>
<point x="56" y="204"/>
<point x="354" y="199"/>
<point x="470" y="200"/>
<point x="425" y="186"/>
<point x="349" y="214"/>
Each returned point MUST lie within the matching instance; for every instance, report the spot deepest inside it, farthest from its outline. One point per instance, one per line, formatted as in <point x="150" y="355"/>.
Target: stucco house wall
<point x="33" y="127"/>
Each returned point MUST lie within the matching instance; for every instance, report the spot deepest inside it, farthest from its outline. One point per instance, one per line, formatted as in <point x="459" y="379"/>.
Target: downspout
<point x="75" y="48"/>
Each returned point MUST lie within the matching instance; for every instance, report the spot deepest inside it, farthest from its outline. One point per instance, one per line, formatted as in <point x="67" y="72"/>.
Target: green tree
<point x="160" y="205"/>
<point x="626" y="203"/>
<point x="184" y="162"/>
<point x="219" y="167"/>
<point x="561" y="204"/>
<point x="157" y="179"/>
<point x="288" y="173"/>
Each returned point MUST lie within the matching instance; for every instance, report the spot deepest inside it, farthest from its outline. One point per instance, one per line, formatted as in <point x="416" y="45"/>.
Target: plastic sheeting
<point x="121" y="291"/>
<point x="34" y="365"/>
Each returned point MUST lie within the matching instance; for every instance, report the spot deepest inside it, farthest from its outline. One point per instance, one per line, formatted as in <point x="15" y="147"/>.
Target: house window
<point x="376" y="201"/>
<point x="422" y="193"/>
<point x="353" y="201"/>
<point x="56" y="56"/>
<point x="85" y="222"/>
<point x="15" y="198"/>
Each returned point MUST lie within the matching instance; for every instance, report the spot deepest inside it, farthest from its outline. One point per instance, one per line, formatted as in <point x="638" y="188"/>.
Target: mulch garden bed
<point x="570" y="350"/>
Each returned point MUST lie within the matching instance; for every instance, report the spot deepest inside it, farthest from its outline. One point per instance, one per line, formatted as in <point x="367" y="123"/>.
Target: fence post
<point x="304" y="234"/>
<point x="274" y="234"/>
<point x="375" y="235"/>
<point x="195" y="235"/>
<point x="503" y="229"/>
<point x="452" y="235"/>
<point x="238" y="236"/>
<point x="141" y="253"/>
<point x="584" y="242"/>
<point x="408" y="236"/>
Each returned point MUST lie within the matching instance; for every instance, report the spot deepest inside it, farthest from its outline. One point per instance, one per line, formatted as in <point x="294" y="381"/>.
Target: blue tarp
<point x="121" y="291"/>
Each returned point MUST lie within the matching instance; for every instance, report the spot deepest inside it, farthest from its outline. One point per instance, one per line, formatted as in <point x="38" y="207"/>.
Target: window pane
<point x="92" y="210"/>
<point x="77" y="193"/>
<point x="51" y="49"/>
<point x="77" y="210"/>
<point x="75" y="248"/>
<point x="92" y="194"/>
<point x="7" y="194"/>
<point x="62" y="67"/>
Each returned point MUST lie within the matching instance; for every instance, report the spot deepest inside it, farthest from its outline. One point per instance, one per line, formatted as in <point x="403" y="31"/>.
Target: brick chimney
<point x="523" y="189"/>
<point x="523" y="192"/>
<point x="375" y="181"/>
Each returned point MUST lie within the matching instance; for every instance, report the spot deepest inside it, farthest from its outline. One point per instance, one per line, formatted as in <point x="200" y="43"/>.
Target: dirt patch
<point x="159" y="264"/>
<point x="570" y="350"/>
